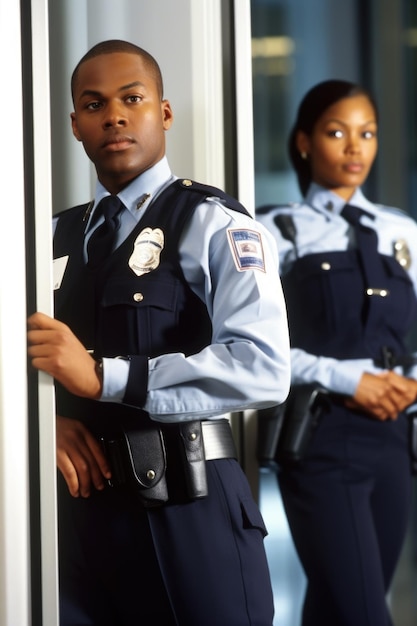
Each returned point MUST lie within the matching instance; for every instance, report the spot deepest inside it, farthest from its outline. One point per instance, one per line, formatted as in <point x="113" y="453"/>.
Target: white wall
<point x="14" y="513"/>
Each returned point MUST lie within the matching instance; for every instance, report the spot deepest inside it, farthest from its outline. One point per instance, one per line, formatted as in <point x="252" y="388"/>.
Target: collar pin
<point x="142" y="201"/>
<point x="88" y="210"/>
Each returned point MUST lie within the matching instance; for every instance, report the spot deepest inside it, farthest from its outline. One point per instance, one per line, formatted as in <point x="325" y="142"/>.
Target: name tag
<point x="59" y="266"/>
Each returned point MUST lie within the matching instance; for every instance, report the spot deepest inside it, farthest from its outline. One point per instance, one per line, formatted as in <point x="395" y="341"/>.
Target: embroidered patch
<point x="247" y="249"/>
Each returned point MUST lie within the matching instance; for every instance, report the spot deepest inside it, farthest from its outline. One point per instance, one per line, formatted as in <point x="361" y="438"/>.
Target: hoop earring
<point x="304" y="155"/>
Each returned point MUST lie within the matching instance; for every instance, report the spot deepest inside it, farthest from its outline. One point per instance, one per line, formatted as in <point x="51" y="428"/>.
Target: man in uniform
<point x="168" y="314"/>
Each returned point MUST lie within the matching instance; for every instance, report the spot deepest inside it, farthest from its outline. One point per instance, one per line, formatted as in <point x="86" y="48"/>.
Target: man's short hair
<point x="118" y="45"/>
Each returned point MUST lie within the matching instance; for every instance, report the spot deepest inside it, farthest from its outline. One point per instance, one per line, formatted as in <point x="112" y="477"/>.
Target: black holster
<point x="289" y="427"/>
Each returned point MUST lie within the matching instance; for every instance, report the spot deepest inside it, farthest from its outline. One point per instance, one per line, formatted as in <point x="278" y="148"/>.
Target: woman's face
<point x="342" y="146"/>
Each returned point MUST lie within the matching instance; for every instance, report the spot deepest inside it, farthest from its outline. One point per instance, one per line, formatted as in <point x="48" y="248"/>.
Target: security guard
<point x="349" y="273"/>
<point x="178" y="322"/>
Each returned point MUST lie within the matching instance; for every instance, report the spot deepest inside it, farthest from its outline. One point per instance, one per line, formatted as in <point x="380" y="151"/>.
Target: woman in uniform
<point x="349" y="271"/>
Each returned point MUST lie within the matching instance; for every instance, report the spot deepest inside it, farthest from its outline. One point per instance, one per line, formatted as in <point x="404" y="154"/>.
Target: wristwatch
<point x="99" y="369"/>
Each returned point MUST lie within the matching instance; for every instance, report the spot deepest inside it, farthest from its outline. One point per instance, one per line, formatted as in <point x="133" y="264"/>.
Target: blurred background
<point x="298" y="43"/>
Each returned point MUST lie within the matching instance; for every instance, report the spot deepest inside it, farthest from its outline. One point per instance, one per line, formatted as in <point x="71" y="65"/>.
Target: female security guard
<point x="350" y="276"/>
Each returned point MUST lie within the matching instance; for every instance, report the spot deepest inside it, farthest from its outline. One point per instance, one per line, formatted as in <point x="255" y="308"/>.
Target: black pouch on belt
<point x="193" y="457"/>
<point x="138" y="459"/>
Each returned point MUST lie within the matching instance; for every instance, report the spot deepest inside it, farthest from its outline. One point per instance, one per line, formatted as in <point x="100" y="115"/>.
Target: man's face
<point x="119" y="117"/>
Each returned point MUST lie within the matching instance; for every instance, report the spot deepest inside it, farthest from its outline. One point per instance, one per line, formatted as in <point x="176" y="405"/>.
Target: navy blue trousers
<point x="200" y="563"/>
<point x="348" y="505"/>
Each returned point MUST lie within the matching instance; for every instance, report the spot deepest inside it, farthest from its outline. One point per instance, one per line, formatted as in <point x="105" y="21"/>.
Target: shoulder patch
<point x="214" y="192"/>
<point x="247" y="249"/>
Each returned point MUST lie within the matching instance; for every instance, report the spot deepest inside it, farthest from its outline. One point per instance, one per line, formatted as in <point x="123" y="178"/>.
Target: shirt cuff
<point x="411" y="372"/>
<point x="345" y="376"/>
<point x="115" y="377"/>
<point x="137" y="382"/>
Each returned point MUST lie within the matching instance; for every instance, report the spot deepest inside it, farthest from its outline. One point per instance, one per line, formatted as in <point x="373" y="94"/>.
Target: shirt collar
<point x="326" y="201"/>
<point x="141" y="190"/>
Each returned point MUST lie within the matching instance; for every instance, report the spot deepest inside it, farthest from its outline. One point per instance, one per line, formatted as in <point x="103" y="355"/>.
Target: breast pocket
<point x="138" y="315"/>
<point x="323" y="293"/>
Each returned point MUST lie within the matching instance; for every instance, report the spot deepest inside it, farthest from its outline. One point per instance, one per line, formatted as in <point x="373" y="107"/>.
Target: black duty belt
<point x="218" y="440"/>
<point x="167" y="463"/>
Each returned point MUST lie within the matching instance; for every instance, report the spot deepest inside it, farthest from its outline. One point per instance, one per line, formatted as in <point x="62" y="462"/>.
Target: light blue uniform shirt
<point x="320" y="228"/>
<point x="247" y="365"/>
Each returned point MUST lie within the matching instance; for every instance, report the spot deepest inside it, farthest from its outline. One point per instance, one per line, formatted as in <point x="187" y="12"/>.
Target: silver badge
<point x="402" y="253"/>
<point x="147" y="251"/>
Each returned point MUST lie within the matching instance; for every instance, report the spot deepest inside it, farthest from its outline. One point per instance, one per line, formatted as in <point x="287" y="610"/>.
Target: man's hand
<point x="55" y="349"/>
<point x="383" y="396"/>
<point x="80" y="458"/>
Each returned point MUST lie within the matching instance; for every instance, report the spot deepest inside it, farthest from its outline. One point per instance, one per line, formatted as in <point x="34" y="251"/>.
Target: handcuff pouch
<point x="138" y="459"/>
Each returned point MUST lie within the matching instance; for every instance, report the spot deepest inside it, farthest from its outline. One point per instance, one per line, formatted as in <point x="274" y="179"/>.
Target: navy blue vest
<point x="113" y="311"/>
<point x="327" y="307"/>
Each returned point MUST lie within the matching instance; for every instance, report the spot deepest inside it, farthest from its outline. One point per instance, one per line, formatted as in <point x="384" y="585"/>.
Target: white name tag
<point x="59" y="267"/>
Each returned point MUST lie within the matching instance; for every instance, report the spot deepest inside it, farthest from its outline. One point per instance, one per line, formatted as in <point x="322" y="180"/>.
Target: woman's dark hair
<point x="313" y="105"/>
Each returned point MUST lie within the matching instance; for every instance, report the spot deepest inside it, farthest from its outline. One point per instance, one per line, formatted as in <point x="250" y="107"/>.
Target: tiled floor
<point x="288" y="578"/>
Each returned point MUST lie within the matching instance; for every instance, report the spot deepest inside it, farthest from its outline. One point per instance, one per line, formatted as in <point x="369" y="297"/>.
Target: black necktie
<point x="101" y="241"/>
<point x="367" y="242"/>
<point x="372" y="266"/>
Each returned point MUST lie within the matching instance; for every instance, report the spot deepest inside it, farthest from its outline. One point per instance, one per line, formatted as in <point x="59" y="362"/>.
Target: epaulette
<point x="80" y="207"/>
<point x="209" y="191"/>
<point x="265" y="208"/>
<point x="393" y="209"/>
